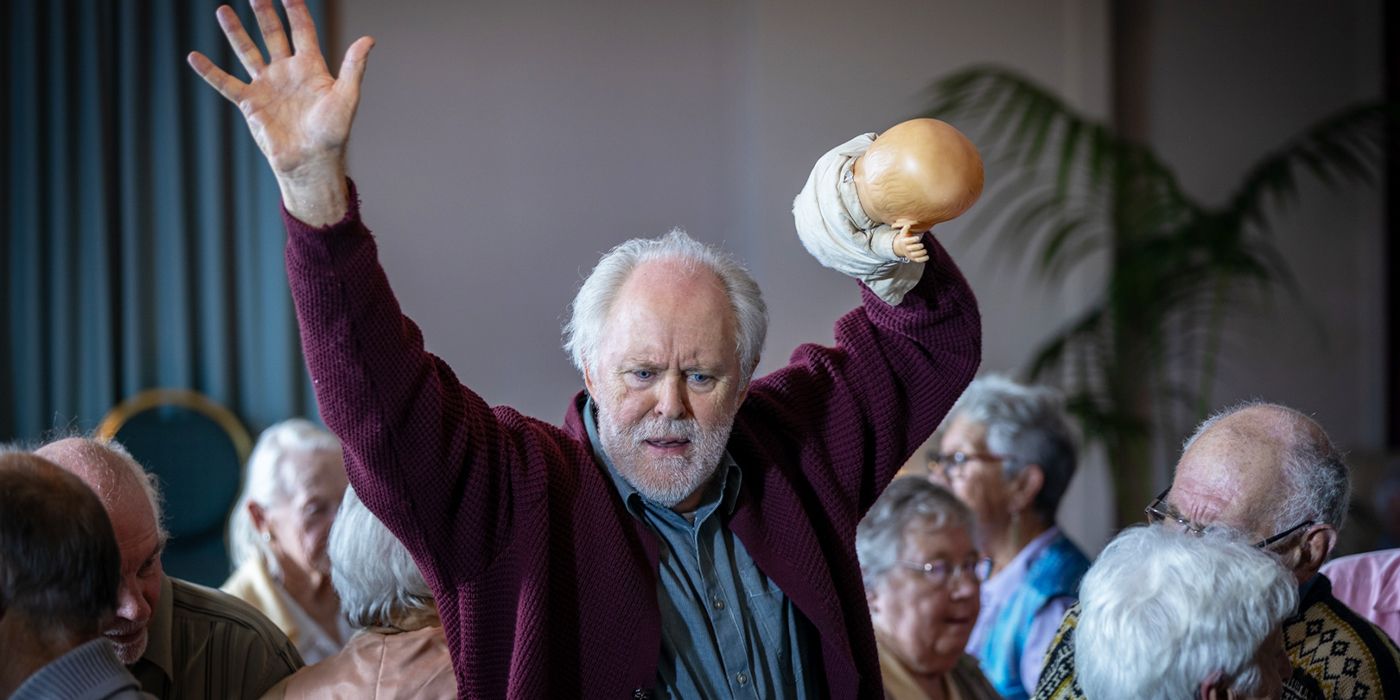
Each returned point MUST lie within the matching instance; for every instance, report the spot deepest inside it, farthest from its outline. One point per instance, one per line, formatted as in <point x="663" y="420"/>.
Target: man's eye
<point x="146" y="567"/>
<point x="643" y="374"/>
<point x="698" y="378"/>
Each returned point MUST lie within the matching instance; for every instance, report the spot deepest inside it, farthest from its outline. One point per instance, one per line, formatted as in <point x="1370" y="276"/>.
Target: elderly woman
<point x="399" y="650"/>
<point x="1007" y="452"/>
<point x="278" y="533"/>
<point x="1165" y="614"/>
<point x="921" y="573"/>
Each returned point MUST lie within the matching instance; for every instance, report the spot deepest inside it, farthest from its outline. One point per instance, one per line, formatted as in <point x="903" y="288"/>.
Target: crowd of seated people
<point x="1221" y="594"/>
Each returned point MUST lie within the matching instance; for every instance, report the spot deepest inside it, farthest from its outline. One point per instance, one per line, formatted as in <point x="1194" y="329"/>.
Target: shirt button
<point x="719" y="603"/>
<point x="742" y="678"/>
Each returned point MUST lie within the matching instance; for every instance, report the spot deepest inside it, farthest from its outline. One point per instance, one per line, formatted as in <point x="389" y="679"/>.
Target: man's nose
<point x="131" y="605"/>
<point x="671" y="401"/>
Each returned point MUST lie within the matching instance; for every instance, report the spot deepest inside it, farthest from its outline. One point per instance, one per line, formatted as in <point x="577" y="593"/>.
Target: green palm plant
<point x="1139" y="363"/>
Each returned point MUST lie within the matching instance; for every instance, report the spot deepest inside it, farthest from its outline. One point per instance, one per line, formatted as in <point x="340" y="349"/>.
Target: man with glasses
<point x="1271" y="473"/>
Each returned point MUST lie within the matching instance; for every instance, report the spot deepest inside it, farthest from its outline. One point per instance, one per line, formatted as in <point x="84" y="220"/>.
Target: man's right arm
<point x="402" y="415"/>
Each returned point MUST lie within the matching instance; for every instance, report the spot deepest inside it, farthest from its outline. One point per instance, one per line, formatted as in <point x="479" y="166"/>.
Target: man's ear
<point x="588" y="379"/>
<point x="1318" y="541"/>
<point x="1025" y="486"/>
<point x="1215" y="688"/>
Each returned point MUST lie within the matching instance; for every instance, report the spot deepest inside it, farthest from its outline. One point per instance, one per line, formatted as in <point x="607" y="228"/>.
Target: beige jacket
<point x="381" y="664"/>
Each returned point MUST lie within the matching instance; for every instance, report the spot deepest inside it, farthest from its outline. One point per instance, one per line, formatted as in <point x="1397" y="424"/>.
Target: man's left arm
<point x="858" y="410"/>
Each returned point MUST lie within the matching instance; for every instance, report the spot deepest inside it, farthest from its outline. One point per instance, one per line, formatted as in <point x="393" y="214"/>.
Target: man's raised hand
<point x="299" y="115"/>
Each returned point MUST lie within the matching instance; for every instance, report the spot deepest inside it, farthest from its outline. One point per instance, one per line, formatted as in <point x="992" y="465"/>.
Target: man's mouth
<point x="668" y="444"/>
<point x="125" y="638"/>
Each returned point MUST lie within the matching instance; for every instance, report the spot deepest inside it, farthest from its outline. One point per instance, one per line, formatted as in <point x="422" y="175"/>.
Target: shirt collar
<point x="730" y="476"/>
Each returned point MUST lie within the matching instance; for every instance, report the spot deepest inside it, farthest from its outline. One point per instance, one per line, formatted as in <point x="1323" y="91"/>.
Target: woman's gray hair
<point x="1027" y="425"/>
<point x="266" y="482"/>
<point x="1317" y="481"/>
<point x="881" y="533"/>
<point x="589" y="312"/>
<point x="1163" y="610"/>
<point x="371" y="570"/>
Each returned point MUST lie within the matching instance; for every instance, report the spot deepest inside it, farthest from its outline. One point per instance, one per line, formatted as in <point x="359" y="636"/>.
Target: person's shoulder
<point x="200" y="606"/>
<point x="1333" y="644"/>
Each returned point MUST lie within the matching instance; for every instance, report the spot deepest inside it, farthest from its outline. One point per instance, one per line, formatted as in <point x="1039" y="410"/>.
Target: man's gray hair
<point x="591" y="306"/>
<point x="1163" y="610"/>
<point x="1316" y="479"/>
<point x="881" y="533"/>
<point x="266" y="482"/>
<point x="371" y="570"/>
<point x="1027" y="425"/>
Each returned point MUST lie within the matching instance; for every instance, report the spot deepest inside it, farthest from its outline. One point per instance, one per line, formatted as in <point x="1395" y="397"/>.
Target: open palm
<point x="298" y="113"/>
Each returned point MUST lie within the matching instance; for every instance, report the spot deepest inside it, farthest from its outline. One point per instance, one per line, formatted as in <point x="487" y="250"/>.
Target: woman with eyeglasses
<point x="922" y="573"/>
<point x="1007" y="452"/>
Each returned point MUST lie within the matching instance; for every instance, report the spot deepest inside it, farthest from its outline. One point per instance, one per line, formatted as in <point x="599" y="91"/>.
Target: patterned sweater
<point x="546" y="586"/>
<point x="1336" y="654"/>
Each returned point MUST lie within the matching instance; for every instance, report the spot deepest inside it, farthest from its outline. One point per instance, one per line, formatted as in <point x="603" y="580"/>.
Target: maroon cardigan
<point x="546" y="585"/>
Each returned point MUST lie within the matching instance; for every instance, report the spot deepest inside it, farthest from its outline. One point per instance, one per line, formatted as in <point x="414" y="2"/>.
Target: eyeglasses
<point x="1159" y="511"/>
<point x="940" y="572"/>
<point x="952" y="463"/>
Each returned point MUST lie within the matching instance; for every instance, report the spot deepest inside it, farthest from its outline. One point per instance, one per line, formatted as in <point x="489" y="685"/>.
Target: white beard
<point x="665" y="480"/>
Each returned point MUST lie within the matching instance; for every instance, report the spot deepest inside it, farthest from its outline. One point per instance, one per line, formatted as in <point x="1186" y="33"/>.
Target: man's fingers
<point x="243" y="47"/>
<point x="352" y="67"/>
<point x="228" y="86"/>
<point x="303" y="29"/>
<point x="271" y="26"/>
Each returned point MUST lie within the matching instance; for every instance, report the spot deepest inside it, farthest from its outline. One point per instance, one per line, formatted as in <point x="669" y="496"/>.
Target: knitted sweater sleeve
<point x="852" y="414"/>
<point x="445" y="472"/>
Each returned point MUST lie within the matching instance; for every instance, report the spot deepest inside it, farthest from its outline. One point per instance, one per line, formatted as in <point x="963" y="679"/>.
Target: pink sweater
<point x="546" y="585"/>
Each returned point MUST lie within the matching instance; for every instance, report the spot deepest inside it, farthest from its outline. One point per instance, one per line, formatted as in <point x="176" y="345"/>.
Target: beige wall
<point x="502" y="146"/>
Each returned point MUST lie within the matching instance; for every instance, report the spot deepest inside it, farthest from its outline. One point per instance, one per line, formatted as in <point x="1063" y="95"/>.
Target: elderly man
<point x="178" y="638"/>
<point x="1271" y="473"/>
<point x="1165" y="615"/>
<point x="688" y="530"/>
<point x="59" y="572"/>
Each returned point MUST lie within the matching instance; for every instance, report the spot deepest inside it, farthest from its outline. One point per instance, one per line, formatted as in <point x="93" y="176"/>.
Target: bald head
<point x="1262" y="469"/>
<point x="110" y="471"/>
<point x="129" y="496"/>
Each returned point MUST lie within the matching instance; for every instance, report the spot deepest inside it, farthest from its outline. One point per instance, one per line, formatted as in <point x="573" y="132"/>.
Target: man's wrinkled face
<point x="667" y="381"/>
<point x="141" y="545"/>
<point x="138" y="537"/>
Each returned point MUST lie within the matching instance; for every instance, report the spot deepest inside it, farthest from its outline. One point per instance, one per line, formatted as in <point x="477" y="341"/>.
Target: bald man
<point x="1271" y="473"/>
<point x="179" y="639"/>
<point x="59" y="570"/>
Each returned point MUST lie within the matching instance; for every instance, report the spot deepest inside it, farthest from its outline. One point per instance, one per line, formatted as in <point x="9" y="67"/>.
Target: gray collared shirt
<point x="726" y="629"/>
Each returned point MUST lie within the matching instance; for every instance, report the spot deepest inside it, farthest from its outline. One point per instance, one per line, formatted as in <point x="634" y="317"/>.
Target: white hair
<point x="1027" y="425"/>
<point x="1316" y="479"/>
<point x="266" y="483"/>
<point x="371" y="570"/>
<point x="591" y="306"/>
<point x="881" y="533"/>
<point x="1164" y="610"/>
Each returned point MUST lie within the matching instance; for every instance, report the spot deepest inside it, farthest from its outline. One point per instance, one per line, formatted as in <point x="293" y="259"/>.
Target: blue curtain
<point x="142" y="232"/>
